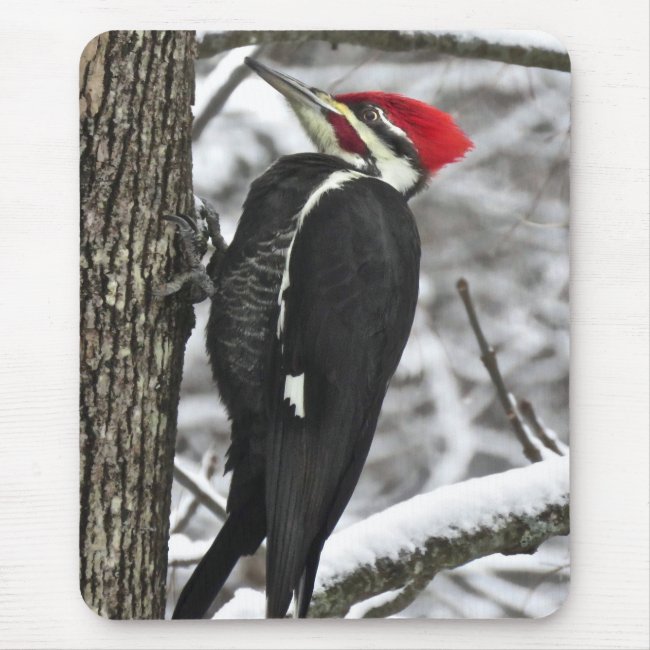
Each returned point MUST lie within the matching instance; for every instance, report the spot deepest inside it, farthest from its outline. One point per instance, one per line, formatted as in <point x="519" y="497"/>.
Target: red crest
<point x="437" y="138"/>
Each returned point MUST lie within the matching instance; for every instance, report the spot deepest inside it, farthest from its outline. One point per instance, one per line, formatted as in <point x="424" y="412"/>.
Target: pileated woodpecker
<point x="314" y="303"/>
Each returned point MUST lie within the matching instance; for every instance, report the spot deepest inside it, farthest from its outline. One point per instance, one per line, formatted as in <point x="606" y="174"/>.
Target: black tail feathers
<point x="241" y="534"/>
<point x="303" y="595"/>
<point x="278" y="598"/>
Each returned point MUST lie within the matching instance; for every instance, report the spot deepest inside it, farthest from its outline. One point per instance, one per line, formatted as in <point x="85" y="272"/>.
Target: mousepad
<point x="324" y="324"/>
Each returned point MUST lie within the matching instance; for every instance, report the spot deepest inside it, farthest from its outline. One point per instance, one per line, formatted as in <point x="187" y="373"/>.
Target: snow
<point x="246" y="603"/>
<point x="359" y="610"/>
<point x="184" y="549"/>
<point x="227" y="64"/>
<point x="447" y="512"/>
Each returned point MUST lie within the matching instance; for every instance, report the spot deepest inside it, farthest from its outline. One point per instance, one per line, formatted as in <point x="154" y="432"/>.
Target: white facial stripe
<point x="294" y="391"/>
<point x="395" y="129"/>
<point x="398" y="172"/>
<point x="394" y="170"/>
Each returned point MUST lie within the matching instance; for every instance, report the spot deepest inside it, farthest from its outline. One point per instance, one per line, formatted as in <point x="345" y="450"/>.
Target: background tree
<point x="135" y="104"/>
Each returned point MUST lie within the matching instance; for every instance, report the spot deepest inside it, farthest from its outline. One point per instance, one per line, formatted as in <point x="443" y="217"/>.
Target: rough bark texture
<point x="135" y="97"/>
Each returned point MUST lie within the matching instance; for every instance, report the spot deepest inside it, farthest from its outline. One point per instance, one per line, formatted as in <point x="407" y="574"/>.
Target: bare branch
<point x="200" y="487"/>
<point x="218" y="100"/>
<point x="454" y="44"/>
<point x="532" y="449"/>
<point x="185" y="513"/>
<point x="546" y="435"/>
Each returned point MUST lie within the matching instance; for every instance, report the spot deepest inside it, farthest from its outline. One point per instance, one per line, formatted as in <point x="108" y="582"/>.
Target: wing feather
<point x="348" y="309"/>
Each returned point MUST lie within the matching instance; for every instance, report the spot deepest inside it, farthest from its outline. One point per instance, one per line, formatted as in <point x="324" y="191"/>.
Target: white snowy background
<point x="499" y="218"/>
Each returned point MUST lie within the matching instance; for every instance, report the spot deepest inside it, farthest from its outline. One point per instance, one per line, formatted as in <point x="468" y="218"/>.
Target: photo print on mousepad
<point x="324" y="323"/>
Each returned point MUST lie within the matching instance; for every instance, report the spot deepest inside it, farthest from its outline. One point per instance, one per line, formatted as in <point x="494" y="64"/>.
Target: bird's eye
<point x="370" y="115"/>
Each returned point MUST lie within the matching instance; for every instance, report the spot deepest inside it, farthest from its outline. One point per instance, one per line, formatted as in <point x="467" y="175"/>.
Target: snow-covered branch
<point x="387" y="559"/>
<point x="403" y="547"/>
<point x="540" y="52"/>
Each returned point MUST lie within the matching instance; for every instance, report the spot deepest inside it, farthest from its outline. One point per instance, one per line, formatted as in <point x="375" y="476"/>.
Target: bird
<point x="313" y="305"/>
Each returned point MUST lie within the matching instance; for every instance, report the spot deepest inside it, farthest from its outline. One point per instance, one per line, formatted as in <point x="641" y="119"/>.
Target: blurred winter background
<point x="499" y="218"/>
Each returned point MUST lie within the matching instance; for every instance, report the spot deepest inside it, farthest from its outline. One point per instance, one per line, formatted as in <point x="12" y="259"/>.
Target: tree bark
<point x="135" y="98"/>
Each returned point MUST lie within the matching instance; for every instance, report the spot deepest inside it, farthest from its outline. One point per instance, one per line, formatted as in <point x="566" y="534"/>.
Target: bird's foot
<point x="194" y="233"/>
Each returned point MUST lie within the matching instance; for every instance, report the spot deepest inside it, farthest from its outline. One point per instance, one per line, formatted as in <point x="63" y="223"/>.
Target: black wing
<point x="348" y="310"/>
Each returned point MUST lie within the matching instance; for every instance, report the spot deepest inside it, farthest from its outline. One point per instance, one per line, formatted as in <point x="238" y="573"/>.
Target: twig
<point x="218" y="100"/>
<point x="530" y="446"/>
<point x="208" y="468"/>
<point x="547" y="436"/>
<point x="200" y="487"/>
<point x="332" y="86"/>
<point x="455" y="44"/>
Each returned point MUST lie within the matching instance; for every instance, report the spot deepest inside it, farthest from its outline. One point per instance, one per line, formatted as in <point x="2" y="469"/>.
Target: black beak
<point x="295" y="91"/>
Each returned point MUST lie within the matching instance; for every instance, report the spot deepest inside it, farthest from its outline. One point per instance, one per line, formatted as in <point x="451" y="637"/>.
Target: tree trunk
<point x="135" y="98"/>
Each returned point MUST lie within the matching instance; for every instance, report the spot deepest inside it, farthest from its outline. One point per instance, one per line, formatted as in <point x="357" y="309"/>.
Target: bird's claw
<point x="184" y="223"/>
<point x="194" y="234"/>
